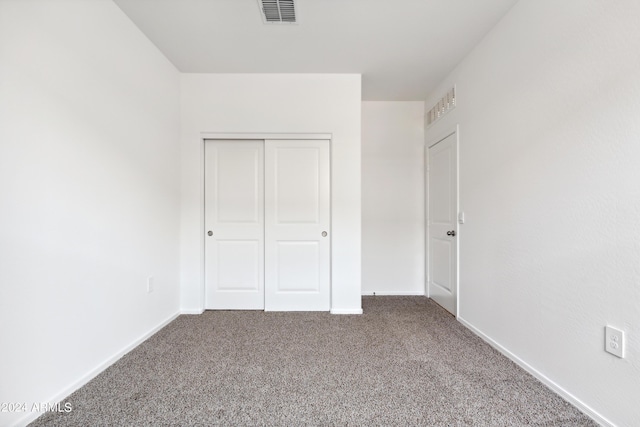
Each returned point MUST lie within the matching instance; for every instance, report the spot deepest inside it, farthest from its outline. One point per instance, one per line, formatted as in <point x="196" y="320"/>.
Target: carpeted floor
<point x="404" y="362"/>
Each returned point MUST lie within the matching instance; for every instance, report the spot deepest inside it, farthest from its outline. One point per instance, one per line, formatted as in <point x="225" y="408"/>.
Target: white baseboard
<point x="346" y="311"/>
<point x="541" y="377"/>
<point x="393" y="293"/>
<point x="192" y="311"/>
<point x="30" y="417"/>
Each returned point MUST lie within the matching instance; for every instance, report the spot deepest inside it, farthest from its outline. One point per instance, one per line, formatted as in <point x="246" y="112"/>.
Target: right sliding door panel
<point x="297" y="225"/>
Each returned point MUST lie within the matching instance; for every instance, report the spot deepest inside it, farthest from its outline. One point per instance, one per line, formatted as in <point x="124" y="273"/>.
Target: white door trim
<point x="263" y="136"/>
<point x="430" y="143"/>
<point x="204" y="136"/>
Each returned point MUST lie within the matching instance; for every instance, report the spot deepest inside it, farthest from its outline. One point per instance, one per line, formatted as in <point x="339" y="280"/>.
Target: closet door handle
<point x="451" y="233"/>
<point x="324" y="234"/>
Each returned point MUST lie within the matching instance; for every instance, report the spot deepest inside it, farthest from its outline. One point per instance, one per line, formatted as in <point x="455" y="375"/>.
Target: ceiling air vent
<point x="278" y="11"/>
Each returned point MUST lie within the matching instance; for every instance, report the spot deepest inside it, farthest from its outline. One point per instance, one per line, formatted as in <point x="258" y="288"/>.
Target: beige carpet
<point x="405" y="361"/>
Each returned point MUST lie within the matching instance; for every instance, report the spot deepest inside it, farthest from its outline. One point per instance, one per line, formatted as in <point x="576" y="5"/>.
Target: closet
<point x="267" y="225"/>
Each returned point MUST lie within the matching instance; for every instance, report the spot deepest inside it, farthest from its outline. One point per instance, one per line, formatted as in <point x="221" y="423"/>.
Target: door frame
<point x="455" y="130"/>
<point x="205" y="136"/>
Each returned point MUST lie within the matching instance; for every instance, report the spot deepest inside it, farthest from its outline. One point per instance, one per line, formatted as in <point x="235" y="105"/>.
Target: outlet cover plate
<point x="614" y="341"/>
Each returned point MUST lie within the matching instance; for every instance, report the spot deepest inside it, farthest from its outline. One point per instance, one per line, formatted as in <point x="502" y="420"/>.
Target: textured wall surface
<point x="549" y="108"/>
<point x="89" y="196"/>
<point x="393" y="198"/>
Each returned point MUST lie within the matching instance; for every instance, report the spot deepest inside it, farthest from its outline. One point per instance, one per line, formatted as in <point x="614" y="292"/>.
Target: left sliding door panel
<point x="234" y="225"/>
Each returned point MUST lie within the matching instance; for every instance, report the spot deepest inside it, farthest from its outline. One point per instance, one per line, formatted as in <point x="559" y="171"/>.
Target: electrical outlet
<point x="149" y="284"/>
<point x="614" y="341"/>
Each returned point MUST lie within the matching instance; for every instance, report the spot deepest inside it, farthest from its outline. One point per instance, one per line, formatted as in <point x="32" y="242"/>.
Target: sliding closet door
<point x="234" y="225"/>
<point x="297" y="225"/>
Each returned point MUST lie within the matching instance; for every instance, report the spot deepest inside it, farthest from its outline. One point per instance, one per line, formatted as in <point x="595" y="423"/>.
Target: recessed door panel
<point x="297" y="190"/>
<point x="440" y="195"/>
<point x="298" y="266"/>
<point x="239" y="265"/>
<point x="441" y="250"/>
<point x="238" y="185"/>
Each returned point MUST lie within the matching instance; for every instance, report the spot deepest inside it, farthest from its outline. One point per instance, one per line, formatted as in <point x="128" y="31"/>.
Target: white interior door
<point x="234" y="225"/>
<point x="297" y="225"/>
<point x="442" y="226"/>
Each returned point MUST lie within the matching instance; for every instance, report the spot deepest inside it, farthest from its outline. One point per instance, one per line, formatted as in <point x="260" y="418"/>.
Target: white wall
<point x="89" y="129"/>
<point x="275" y="103"/>
<point x="549" y="108"/>
<point x="393" y="227"/>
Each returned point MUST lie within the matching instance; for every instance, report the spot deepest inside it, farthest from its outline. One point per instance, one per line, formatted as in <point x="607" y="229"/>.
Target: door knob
<point x="451" y="233"/>
<point x="324" y="234"/>
<point x="210" y="233"/>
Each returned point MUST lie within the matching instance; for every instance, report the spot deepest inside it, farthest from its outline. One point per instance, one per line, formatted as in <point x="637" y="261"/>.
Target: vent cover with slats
<point x="278" y="11"/>
<point x="442" y="107"/>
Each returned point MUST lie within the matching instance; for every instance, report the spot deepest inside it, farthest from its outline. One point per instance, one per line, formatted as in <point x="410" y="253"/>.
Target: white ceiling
<point x="402" y="48"/>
